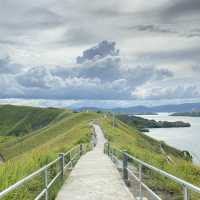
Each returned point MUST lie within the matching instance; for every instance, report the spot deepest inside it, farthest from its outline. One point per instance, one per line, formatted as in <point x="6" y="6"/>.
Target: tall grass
<point x="21" y="120"/>
<point x="147" y="149"/>
<point x="38" y="150"/>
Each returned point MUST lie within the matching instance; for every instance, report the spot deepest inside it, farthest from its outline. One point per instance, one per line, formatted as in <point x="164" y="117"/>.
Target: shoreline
<point x="195" y="158"/>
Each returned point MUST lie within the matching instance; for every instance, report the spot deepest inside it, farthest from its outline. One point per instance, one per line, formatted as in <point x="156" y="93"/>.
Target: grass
<point x="26" y="153"/>
<point x="20" y="120"/>
<point x="39" y="137"/>
<point x="148" y="150"/>
<point x="57" y="130"/>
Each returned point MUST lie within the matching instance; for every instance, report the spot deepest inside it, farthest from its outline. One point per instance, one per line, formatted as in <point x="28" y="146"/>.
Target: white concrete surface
<point x="95" y="177"/>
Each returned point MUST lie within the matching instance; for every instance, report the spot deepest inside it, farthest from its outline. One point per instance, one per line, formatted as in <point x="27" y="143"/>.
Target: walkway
<point x="95" y="177"/>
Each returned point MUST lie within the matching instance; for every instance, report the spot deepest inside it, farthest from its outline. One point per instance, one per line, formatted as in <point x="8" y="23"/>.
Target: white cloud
<point x="100" y="73"/>
<point x="170" y="89"/>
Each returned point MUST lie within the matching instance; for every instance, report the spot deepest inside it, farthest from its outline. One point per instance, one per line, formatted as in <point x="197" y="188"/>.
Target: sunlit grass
<point x="27" y="154"/>
<point x="147" y="149"/>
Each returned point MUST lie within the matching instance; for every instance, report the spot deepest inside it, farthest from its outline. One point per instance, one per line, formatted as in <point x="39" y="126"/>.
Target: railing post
<point x="62" y="164"/>
<point x="185" y="193"/>
<point x="111" y="153"/>
<point x="46" y="182"/>
<point x="125" y="166"/>
<point x="140" y="179"/>
<point x="70" y="157"/>
<point x="108" y="149"/>
<point x="81" y="149"/>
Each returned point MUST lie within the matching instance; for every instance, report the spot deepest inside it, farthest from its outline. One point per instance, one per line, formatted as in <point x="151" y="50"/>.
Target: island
<point x="187" y="114"/>
<point x="143" y="124"/>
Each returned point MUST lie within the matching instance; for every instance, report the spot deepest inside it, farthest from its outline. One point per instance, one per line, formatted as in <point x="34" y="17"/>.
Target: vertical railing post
<point x="81" y="150"/>
<point x="108" y="149"/>
<point x="125" y="166"/>
<point x="62" y="164"/>
<point x="111" y="153"/>
<point x="46" y="182"/>
<point x="140" y="182"/>
<point x="84" y="149"/>
<point x="185" y="193"/>
<point x="70" y="157"/>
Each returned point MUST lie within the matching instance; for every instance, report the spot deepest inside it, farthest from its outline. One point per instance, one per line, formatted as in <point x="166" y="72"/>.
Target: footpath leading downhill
<point x="95" y="177"/>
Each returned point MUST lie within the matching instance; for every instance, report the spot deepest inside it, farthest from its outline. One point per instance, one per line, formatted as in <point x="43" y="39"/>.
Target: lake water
<point x="181" y="138"/>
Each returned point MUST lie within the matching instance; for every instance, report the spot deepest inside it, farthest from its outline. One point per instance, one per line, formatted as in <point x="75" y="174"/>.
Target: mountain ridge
<point x="185" y="107"/>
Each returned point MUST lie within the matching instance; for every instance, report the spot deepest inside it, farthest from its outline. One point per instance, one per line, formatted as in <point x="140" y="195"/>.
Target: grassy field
<point x="21" y="120"/>
<point x="143" y="147"/>
<point x="26" y="153"/>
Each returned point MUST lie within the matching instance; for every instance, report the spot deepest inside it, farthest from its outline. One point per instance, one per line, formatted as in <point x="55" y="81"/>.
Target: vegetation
<point x="155" y="153"/>
<point x="142" y="124"/>
<point x="188" y="114"/>
<point x="59" y="129"/>
<point x="20" y="120"/>
<point x="26" y="153"/>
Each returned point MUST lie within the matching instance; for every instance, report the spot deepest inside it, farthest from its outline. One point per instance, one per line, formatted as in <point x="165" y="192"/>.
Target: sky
<point x="69" y="51"/>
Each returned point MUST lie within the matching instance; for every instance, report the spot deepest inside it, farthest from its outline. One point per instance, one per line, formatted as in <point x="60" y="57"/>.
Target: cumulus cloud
<point x="171" y="89"/>
<point x="101" y="74"/>
<point x="103" y="49"/>
<point x="39" y="77"/>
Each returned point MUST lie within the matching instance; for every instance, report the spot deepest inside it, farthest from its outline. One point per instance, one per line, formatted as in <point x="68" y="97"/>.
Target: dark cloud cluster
<point x="152" y="28"/>
<point x="103" y="49"/>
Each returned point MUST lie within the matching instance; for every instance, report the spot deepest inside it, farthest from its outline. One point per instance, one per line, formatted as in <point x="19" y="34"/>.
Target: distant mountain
<point x="186" y="107"/>
<point x="189" y="114"/>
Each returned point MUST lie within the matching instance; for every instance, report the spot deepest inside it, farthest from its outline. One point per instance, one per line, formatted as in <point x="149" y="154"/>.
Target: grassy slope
<point x="39" y="137"/>
<point x="20" y="120"/>
<point x="148" y="149"/>
<point x="27" y="153"/>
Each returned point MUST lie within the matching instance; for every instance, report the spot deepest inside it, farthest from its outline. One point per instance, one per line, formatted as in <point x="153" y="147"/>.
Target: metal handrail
<point x="63" y="166"/>
<point x="108" y="149"/>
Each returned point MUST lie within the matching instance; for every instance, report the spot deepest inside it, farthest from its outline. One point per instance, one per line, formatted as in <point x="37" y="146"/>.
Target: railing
<point x="65" y="160"/>
<point x="123" y="158"/>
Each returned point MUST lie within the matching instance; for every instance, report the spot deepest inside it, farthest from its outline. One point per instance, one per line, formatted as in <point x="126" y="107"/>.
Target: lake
<point x="181" y="138"/>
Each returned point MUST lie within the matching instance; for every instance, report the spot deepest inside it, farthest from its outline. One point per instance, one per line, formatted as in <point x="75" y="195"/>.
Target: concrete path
<point x="95" y="177"/>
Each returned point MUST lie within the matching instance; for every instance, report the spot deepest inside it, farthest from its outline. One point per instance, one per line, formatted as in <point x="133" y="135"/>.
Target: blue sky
<point x="126" y="51"/>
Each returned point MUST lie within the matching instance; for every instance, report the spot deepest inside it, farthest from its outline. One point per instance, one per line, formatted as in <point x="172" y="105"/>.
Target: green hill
<point x="53" y="131"/>
<point x="20" y="120"/>
<point x="142" y="124"/>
